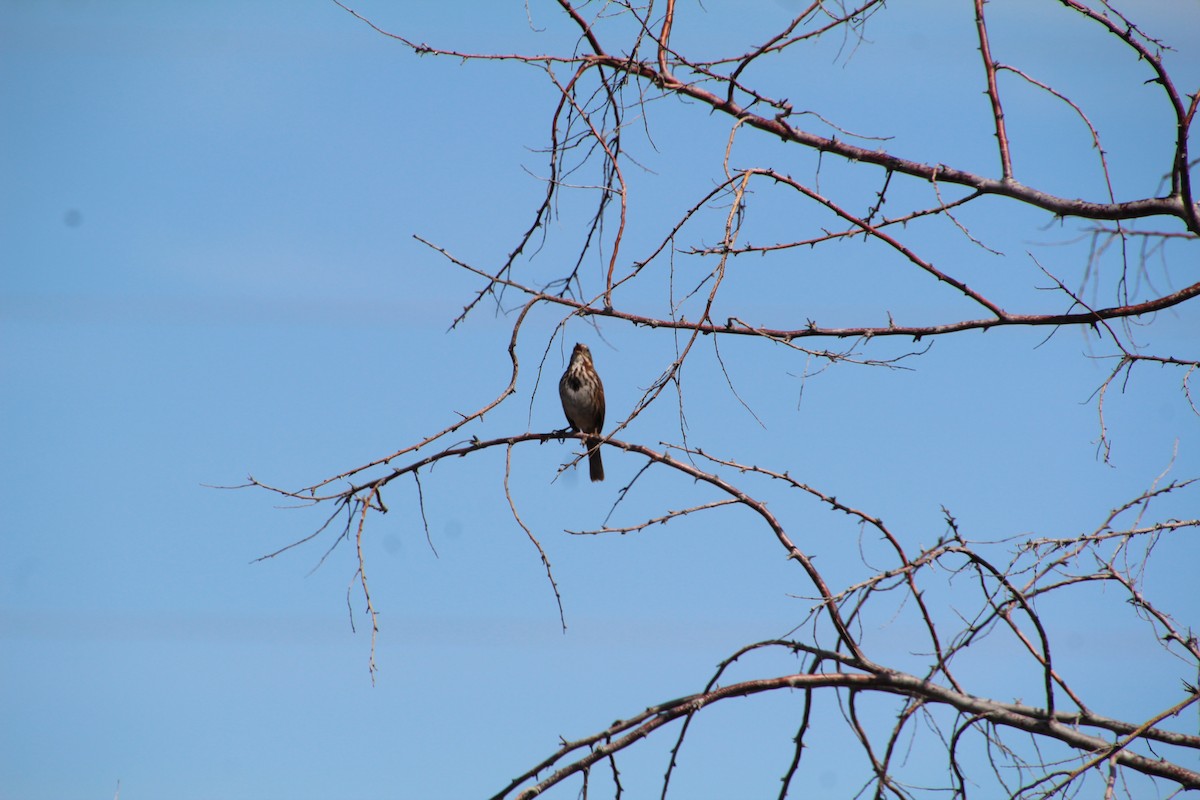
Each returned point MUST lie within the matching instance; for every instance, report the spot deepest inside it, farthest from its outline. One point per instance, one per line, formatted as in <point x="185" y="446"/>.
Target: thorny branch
<point x="603" y="83"/>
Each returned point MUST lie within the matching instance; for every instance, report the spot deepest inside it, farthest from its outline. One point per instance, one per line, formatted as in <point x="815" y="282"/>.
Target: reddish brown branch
<point x="1178" y="204"/>
<point x="1171" y="205"/>
<point x="812" y="329"/>
<point x="993" y="92"/>
<point x="1035" y="721"/>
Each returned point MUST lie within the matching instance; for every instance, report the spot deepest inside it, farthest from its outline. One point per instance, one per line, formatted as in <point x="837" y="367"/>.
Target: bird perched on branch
<point x="582" y="396"/>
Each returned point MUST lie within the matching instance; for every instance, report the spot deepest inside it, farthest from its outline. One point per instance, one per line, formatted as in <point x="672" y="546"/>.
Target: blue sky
<point x="208" y="271"/>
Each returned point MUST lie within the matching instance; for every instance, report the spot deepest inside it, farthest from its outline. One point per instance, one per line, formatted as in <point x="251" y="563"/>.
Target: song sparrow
<point x="582" y="396"/>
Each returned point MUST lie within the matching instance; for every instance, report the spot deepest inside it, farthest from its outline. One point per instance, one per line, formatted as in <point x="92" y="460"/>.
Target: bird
<point x="582" y="395"/>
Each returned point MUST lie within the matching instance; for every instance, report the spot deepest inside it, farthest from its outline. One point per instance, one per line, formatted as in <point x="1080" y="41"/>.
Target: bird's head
<point x="581" y="353"/>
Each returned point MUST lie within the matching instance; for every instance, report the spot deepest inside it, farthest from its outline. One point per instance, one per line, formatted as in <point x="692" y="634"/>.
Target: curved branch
<point x="1171" y="205"/>
<point x="1035" y="721"/>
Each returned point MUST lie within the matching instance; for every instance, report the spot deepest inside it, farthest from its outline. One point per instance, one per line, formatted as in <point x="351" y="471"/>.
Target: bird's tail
<point x="595" y="464"/>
